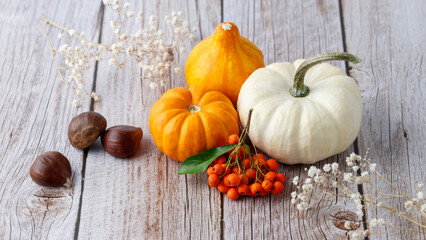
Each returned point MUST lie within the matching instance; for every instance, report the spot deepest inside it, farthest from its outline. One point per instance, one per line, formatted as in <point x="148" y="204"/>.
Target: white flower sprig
<point x="362" y="170"/>
<point x="149" y="46"/>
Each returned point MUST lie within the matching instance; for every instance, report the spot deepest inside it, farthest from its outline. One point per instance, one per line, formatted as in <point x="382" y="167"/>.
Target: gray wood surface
<point x="143" y="197"/>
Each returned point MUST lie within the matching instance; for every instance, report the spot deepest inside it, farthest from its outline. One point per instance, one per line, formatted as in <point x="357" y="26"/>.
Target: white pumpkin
<point x="294" y="123"/>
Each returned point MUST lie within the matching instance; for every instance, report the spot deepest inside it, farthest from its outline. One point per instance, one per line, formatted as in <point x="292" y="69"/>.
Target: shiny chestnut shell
<point x="85" y="128"/>
<point x="51" y="169"/>
<point x="122" y="141"/>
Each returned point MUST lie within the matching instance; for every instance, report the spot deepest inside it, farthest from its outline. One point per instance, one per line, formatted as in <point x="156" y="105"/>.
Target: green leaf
<point x="200" y="162"/>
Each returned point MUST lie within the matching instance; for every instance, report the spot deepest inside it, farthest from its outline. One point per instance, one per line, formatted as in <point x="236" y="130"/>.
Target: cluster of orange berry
<point x="242" y="173"/>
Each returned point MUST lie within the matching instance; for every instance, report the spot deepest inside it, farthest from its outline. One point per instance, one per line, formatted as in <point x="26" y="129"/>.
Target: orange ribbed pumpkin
<point x="184" y="122"/>
<point x="223" y="61"/>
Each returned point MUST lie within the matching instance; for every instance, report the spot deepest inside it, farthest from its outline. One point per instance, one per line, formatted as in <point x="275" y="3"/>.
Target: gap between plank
<point x="356" y="147"/>
<point x="92" y="108"/>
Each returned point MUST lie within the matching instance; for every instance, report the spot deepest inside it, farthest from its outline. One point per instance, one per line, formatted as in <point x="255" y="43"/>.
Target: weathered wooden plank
<point x="390" y="37"/>
<point x="143" y="197"/>
<point x="35" y="109"/>
<point x="286" y="31"/>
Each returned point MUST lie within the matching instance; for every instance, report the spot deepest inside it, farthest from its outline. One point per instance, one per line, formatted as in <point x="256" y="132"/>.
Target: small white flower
<point x="358" y="180"/>
<point x="327" y="168"/>
<point x="423" y="208"/>
<point x="334" y="184"/>
<point x="335" y="166"/>
<point x="75" y="103"/>
<point x="60" y="35"/>
<point x="420" y="196"/>
<point x="379" y="204"/>
<point x="308" y="180"/>
<point x="79" y="86"/>
<point x="312" y="170"/>
<point x="359" y="213"/>
<point x="194" y="29"/>
<point x="347" y="225"/>
<point x="359" y="206"/>
<point x="373" y="222"/>
<point x="82" y="34"/>
<point x="349" y="161"/>
<point x="113" y="24"/>
<point x="182" y="50"/>
<point x="191" y="37"/>
<point x="293" y="194"/>
<point x="71" y="32"/>
<point x="106" y="2"/>
<point x="302" y="206"/>
<point x="408" y="205"/>
<point x="420" y="186"/>
<point x="355" y="168"/>
<point x="176" y="70"/>
<point x="126" y="5"/>
<point x="296" y="180"/>
<point x="293" y="201"/>
<point x="112" y="61"/>
<point x="162" y="83"/>
<point x="365" y="174"/>
<point x="130" y="14"/>
<point x="381" y="221"/>
<point x="373" y="167"/>
<point x="153" y="85"/>
<point x="348" y="177"/>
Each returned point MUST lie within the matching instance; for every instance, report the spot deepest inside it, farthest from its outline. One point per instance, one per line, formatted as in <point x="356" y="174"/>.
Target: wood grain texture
<point x="286" y="31"/>
<point x="390" y="37"/>
<point x="35" y="109"/>
<point x="143" y="197"/>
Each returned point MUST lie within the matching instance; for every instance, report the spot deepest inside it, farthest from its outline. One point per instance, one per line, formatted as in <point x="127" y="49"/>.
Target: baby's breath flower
<point x="106" y="2"/>
<point x="423" y="208"/>
<point x="420" y="196"/>
<point x="355" y="168"/>
<point x="112" y="23"/>
<point x="75" y="103"/>
<point x="71" y="32"/>
<point x="373" y="167"/>
<point x="60" y="35"/>
<point x="348" y="177"/>
<point x="130" y="14"/>
<point x="327" y="168"/>
<point x="177" y="70"/>
<point x="408" y="205"/>
<point x="296" y="180"/>
<point x="347" y="225"/>
<point x="379" y="204"/>
<point x="162" y="83"/>
<point x="153" y="85"/>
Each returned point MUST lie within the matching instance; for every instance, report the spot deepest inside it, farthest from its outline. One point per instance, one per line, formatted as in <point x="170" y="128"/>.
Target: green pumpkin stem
<point x="299" y="89"/>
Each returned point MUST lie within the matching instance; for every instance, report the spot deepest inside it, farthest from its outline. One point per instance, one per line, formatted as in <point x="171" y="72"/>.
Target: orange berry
<point x="267" y="185"/>
<point x="259" y="161"/>
<point x="256" y="188"/>
<point x="271" y="176"/>
<point x="239" y="153"/>
<point x="264" y="193"/>
<point x="233" y="180"/>
<point x="251" y="174"/>
<point x="233" y="139"/>
<point x="272" y="165"/>
<point x="225" y="180"/>
<point x="233" y="193"/>
<point x="210" y="171"/>
<point x="280" y="178"/>
<point x="218" y="168"/>
<point x="222" y="187"/>
<point x="243" y="179"/>
<point x="243" y="190"/>
<point x="220" y="160"/>
<point x="236" y="170"/>
<point x="277" y="188"/>
<point x="213" y="180"/>
<point x="246" y="163"/>
<point x="226" y="168"/>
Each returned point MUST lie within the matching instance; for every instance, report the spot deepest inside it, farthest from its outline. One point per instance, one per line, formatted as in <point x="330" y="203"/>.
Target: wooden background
<point x="143" y="197"/>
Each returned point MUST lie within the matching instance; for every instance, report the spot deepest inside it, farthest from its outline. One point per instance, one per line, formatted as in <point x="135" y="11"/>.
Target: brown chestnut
<point x="85" y="128"/>
<point x="122" y="141"/>
<point x="51" y="169"/>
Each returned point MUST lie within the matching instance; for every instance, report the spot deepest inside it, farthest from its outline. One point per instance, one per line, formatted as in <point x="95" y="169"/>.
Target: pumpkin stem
<point x="299" y="89"/>
<point x="194" y="108"/>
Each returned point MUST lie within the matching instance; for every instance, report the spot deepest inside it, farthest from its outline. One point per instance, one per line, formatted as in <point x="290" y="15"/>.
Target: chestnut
<point x="85" y="128"/>
<point x="51" y="169"/>
<point x="121" y="141"/>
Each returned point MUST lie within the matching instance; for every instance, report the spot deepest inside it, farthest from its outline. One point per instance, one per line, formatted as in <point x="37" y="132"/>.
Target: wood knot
<point x="340" y="218"/>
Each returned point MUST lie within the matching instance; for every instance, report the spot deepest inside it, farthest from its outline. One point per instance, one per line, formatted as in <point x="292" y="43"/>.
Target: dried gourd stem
<point x="299" y="89"/>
